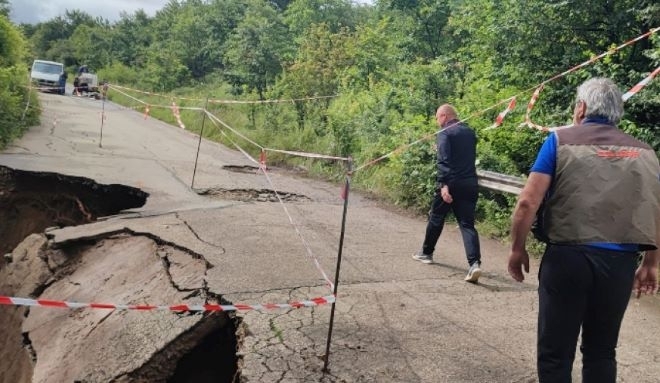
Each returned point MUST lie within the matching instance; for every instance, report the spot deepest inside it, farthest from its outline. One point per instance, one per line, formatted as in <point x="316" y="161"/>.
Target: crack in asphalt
<point x="163" y="255"/>
<point x="127" y="230"/>
<point x="27" y="344"/>
<point x="197" y="235"/>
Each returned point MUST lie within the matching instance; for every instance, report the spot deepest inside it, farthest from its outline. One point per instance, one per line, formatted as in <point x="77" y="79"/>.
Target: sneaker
<point x="424" y="258"/>
<point x="474" y="273"/>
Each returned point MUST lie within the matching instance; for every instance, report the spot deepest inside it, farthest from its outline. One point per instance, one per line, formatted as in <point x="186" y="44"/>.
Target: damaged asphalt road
<point x="229" y="241"/>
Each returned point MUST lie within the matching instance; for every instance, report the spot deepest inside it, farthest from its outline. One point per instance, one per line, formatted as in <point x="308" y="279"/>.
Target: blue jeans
<point x="588" y="288"/>
<point x="465" y="193"/>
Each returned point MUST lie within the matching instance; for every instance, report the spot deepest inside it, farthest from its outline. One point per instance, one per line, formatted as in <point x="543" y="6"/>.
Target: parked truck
<point x="49" y="76"/>
<point x="85" y="81"/>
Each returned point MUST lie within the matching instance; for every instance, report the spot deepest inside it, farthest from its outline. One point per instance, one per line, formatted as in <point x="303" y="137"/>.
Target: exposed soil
<point x="30" y="202"/>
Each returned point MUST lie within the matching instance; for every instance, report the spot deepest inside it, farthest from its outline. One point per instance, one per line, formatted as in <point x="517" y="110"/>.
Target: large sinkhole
<point x="33" y="201"/>
<point x="30" y="202"/>
<point x="213" y="360"/>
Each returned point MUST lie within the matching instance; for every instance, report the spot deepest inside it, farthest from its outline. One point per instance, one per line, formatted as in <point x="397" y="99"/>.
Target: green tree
<point x="424" y="22"/>
<point x="14" y="93"/>
<point x="316" y="71"/>
<point x="131" y="37"/>
<point x="92" y="46"/>
<point x="335" y="14"/>
<point x="12" y="44"/>
<point x="499" y="48"/>
<point x="4" y="8"/>
<point x="164" y="71"/>
<point x="193" y="40"/>
<point x="257" y="49"/>
<point x="50" y="39"/>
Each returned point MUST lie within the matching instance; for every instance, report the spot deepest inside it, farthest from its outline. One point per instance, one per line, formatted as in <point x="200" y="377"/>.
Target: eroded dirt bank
<point x="32" y="201"/>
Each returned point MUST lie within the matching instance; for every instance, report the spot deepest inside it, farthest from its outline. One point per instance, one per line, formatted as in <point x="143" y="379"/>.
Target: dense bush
<point x="16" y="116"/>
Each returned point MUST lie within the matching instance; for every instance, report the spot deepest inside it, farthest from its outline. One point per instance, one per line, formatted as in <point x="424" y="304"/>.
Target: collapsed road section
<point x="30" y="202"/>
<point x="48" y="344"/>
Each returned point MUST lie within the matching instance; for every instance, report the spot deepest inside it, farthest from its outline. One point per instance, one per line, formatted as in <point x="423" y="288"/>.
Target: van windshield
<point x="47" y="68"/>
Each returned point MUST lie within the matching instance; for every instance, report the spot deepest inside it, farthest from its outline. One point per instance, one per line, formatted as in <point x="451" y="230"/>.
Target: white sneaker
<point x="474" y="273"/>
<point x="424" y="258"/>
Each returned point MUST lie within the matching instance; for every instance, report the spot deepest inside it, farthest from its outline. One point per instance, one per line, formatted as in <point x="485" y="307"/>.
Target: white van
<point x="50" y="76"/>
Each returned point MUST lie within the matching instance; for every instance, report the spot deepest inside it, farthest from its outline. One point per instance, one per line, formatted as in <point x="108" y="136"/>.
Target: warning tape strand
<point x="262" y="167"/>
<point x="625" y="97"/>
<point x="307" y="155"/>
<point x="219" y="101"/>
<point x="500" y="117"/>
<point x="48" y="303"/>
<point x="177" y="115"/>
<point x="306" y="245"/>
<point x="155" y="105"/>
<point x="529" y="106"/>
<point x="640" y="85"/>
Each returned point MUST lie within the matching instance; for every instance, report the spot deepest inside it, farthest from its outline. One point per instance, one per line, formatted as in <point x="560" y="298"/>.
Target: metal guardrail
<point x="500" y="182"/>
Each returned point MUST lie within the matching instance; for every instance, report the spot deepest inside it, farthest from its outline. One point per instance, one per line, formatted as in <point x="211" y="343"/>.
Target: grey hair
<point x="603" y="98"/>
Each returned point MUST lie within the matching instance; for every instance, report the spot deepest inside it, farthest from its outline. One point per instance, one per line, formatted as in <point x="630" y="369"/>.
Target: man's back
<point x="605" y="181"/>
<point x="457" y="152"/>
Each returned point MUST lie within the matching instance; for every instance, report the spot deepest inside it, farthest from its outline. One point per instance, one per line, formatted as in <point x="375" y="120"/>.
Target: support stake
<point x="199" y="143"/>
<point x="346" y="193"/>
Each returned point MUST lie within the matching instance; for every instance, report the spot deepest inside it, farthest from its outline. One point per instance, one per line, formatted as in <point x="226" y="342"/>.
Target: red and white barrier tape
<point x="113" y="87"/>
<point x="593" y="59"/>
<point x="600" y="56"/>
<point x="263" y="168"/>
<point x="417" y="141"/>
<point x="218" y="101"/>
<point x="284" y="101"/>
<point x="500" y="117"/>
<point x="307" y="155"/>
<point x="306" y="245"/>
<point x="530" y="106"/>
<point x="214" y="117"/>
<point x="15" y="301"/>
<point x="625" y="97"/>
<point x="177" y="115"/>
<point x="640" y="85"/>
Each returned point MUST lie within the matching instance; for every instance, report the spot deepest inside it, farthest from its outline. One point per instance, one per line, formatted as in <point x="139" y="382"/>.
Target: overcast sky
<point x="34" y="11"/>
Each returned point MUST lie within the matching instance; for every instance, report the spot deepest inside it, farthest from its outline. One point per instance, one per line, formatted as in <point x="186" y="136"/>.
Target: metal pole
<point x="199" y="143"/>
<point x="347" y="187"/>
<point x="102" y="120"/>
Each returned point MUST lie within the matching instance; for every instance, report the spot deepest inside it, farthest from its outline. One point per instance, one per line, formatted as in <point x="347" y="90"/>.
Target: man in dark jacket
<point x="456" y="189"/>
<point x="602" y="207"/>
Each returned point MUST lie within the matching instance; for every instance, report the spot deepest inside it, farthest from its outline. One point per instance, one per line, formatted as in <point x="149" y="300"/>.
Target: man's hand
<point x="646" y="280"/>
<point x="444" y="193"/>
<point x="518" y="259"/>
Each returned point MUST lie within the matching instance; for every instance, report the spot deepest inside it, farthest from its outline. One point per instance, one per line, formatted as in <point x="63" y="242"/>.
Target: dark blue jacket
<point x="457" y="153"/>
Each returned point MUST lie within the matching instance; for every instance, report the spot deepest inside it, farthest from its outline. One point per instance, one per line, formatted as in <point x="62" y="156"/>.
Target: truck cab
<point x="49" y="76"/>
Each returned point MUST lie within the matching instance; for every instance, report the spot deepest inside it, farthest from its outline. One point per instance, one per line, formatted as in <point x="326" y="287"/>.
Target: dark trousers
<point x="465" y="193"/>
<point x="582" y="287"/>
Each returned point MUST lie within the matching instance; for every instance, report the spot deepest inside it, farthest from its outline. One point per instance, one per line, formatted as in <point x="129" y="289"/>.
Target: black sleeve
<point x="444" y="155"/>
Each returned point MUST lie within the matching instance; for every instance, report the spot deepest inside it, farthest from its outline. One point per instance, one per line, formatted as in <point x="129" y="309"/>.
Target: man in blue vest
<point x="597" y="192"/>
